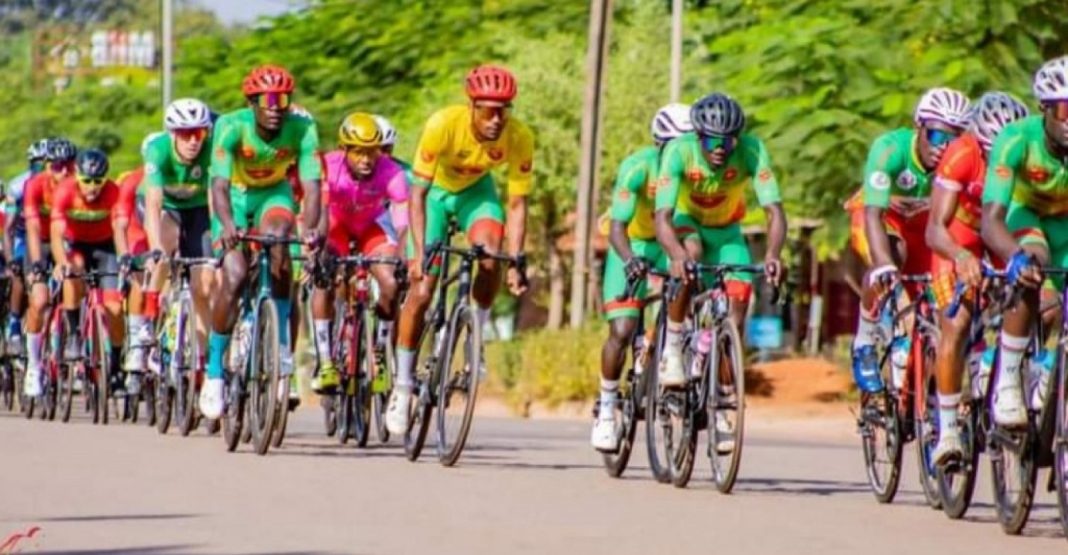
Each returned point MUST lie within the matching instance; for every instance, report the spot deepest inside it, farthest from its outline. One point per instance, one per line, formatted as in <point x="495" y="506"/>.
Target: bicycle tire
<point x="343" y="396"/>
<point x="1013" y="511"/>
<point x="956" y="486"/>
<point x="233" y="417"/>
<point x="362" y="404"/>
<point x="685" y="418"/>
<point x="264" y="376"/>
<point x="164" y="404"/>
<point x="1060" y="442"/>
<point x="184" y="358"/>
<point x="926" y="425"/>
<point x="466" y="381"/>
<point x="729" y="342"/>
<point x="102" y="359"/>
<point x="380" y="399"/>
<point x="879" y="413"/>
<point x="421" y="408"/>
<point x="148" y="396"/>
<point x="7" y="384"/>
<point x="66" y="375"/>
<point x="615" y="464"/>
<point x="659" y="464"/>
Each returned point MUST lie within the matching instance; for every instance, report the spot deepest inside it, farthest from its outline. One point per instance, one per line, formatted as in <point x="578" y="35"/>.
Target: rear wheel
<point x="164" y="404"/>
<point x="726" y="408"/>
<point x="7" y="384"/>
<point x="1060" y="442"/>
<point x="880" y="433"/>
<point x="458" y="389"/>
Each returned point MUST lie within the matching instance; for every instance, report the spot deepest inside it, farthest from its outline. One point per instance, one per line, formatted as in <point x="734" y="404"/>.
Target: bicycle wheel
<point x="426" y="374"/>
<point x="65" y="392"/>
<point x="1013" y="472"/>
<point x="185" y="358"/>
<point x="1060" y="450"/>
<point x="626" y="416"/>
<point x="726" y="407"/>
<point x="164" y="404"/>
<point x="880" y="432"/>
<point x="102" y="359"/>
<point x="233" y="417"/>
<point x="458" y="388"/>
<point x="658" y="438"/>
<point x="381" y="388"/>
<point x="956" y="482"/>
<point x="51" y="394"/>
<point x="365" y="358"/>
<point x="148" y="395"/>
<point x="7" y="385"/>
<point x="264" y="376"/>
<point x="685" y="410"/>
<point x="925" y="424"/>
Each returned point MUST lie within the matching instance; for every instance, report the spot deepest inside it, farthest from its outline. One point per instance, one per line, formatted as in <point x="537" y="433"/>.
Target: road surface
<point x="521" y="487"/>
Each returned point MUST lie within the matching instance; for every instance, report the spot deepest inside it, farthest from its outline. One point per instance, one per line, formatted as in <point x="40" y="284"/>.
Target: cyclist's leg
<point x="101" y="257"/>
<point x="137" y="311"/>
<point x="378" y="241"/>
<point x="233" y="277"/>
<point x="688" y="230"/>
<point x="194" y="241"/>
<point x="322" y="308"/>
<point x="726" y="245"/>
<point x="35" y="324"/>
<point x="949" y="365"/>
<point x="1016" y="327"/>
<point x="17" y="295"/>
<point x="481" y="217"/>
<point x="275" y="215"/>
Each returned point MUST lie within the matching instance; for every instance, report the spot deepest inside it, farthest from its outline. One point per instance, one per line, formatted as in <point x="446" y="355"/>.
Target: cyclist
<point x="83" y="238"/>
<point x="15" y="240"/>
<point x="954" y="236"/>
<point x="634" y="249"/>
<point x="699" y="201"/>
<point x="176" y="216"/>
<point x="459" y="148"/>
<point x="129" y="222"/>
<point x="1025" y="222"/>
<point x="252" y="150"/>
<point x="359" y="180"/>
<point x="37" y="206"/>
<point x="889" y="215"/>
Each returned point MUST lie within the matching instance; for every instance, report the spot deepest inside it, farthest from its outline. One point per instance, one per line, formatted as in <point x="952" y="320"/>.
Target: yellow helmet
<point x="359" y="129"/>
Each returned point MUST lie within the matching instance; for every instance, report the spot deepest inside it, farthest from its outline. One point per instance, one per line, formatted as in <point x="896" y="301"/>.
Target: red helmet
<point x="267" y="79"/>
<point x="488" y="82"/>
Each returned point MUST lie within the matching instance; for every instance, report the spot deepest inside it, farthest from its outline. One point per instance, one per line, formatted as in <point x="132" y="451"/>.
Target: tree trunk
<point x="557" y="286"/>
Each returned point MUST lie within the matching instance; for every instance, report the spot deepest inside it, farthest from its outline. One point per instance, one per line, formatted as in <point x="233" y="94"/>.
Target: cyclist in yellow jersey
<point x="459" y="148"/>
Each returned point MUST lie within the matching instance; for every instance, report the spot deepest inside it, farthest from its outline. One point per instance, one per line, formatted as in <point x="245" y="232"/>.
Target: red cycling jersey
<point x="126" y="208"/>
<point x="37" y="200"/>
<point x="86" y="222"/>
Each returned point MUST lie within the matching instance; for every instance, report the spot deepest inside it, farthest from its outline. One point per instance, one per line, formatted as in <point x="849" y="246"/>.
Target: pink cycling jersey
<point x="358" y="204"/>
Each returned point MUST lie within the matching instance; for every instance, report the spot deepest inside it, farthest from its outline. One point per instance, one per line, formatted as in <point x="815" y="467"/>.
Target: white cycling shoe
<point x="605" y="436"/>
<point x="1009" y="409"/>
<point x="724" y="433"/>
<point x="949" y="448"/>
<point x="211" y="398"/>
<point x="671" y="372"/>
<point x="397" y="411"/>
<point x="31" y="385"/>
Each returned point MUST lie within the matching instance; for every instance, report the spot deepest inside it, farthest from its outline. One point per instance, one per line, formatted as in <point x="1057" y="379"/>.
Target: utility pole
<point x="600" y="11"/>
<point x="676" y="49"/>
<point x="167" y="66"/>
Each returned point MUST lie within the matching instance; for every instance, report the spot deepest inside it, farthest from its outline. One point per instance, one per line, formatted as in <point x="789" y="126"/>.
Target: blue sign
<point x="765" y="332"/>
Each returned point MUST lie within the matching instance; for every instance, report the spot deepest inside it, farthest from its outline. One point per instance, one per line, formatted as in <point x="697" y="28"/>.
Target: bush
<point x="550" y="367"/>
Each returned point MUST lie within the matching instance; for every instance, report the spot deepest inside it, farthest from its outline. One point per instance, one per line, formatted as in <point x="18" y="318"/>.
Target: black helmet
<point x="717" y="115"/>
<point x="61" y="150"/>
<point x="38" y="150"/>
<point x="92" y="164"/>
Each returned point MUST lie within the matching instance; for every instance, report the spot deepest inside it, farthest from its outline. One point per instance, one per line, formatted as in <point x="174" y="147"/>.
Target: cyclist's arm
<point x="625" y="194"/>
<point x="60" y="205"/>
<point x="153" y="215"/>
<point x="949" y="180"/>
<point x="1006" y="156"/>
<point x="883" y="158"/>
<point x="310" y="171"/>
<point x="767" y="192"/>
<point x="397" y="191"/>
<point x="427" y="154"/>
<point x="417" y="218"/>
<point x="11" y="214"/>
<point x="667" y="195"/>
<point x="224" y="143"/>
<point x="33" y="223"/>
<point x="516" y="223"/>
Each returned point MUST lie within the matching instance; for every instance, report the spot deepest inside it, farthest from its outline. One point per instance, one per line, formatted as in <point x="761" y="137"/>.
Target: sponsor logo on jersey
<point x="196" y="172"/>
<point x="879" y="180"/>
<point x="730" y="174"/>
<point x="495" y="154"/>
<point x="426" y="156"/>
<point x="1037" y="174"/>
<point x="907" y="180"/>
<point x="764" y="175"/>
<point x="282" y="153"/>
<point x="247" y="152"/>
<point x="1003" y="171"/>
<point x="525" y="167"/>
<point x="624" y="195"/>
<point x="695" y="175"/>
<point x="151" y="168"/>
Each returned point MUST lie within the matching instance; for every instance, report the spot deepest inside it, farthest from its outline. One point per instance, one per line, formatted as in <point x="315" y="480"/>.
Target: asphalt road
<point x="521" y="487"/>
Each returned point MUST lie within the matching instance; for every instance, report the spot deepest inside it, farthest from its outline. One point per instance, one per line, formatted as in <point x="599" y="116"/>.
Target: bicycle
<point x="52" y="382"/>
<point x="440" y="375"/>
<point x="356" y="401"/>
<point x="956" y="479"/>
<point x="10" y="382"/>
<point x="131" y="407"/>
<point x="178" y="350"/>
<point x="712" y="346"/>
<point x="905" y="411"/>
<point x="633" y="383"/>
<point x="254" y="387"/>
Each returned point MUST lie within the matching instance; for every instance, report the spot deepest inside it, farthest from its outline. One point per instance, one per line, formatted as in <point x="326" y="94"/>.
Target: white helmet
<point x="943" y="105"/>
<point x="1051" y="80"/>
<point x="187" y="113"/>
<point x="389" y="134"/>
<point x="670" y="121"/>
<point x="992" y="112"/>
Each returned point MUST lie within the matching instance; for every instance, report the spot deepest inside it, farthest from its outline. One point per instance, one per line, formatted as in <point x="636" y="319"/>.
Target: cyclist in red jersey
<point x="84" y="238"/>
<point x="129" y="223"/>
<point x="37" y="204"/>
<point x="953" y="235"/>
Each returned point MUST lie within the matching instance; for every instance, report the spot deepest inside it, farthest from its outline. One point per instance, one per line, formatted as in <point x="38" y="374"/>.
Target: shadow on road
<point x="801" y="487"/>
<point x="101" y="518"/>
<point x="152" y="549"/>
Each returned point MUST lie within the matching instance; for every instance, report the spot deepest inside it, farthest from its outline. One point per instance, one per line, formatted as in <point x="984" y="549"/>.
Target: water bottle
<point x="702" y="345"/>
<point x="899" y="360"/>
<point x="1040" y="369"/>
<point x="982" y="375"/>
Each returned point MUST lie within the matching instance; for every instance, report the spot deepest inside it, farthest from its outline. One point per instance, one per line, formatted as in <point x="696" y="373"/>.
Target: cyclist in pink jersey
<point x="359" y="181"/>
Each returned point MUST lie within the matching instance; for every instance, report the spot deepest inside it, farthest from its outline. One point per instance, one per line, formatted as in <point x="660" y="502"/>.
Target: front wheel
<point x="926" y="424"/>
<point x="264" y="377"/>
<point x="427" y="374"/>
<point x="233" y="418"/>
<point x="626" y="416"/>
<point x="458" y="388"/>
<point x="956" y="482"/>
<point x="101" y="358"/>
<point x="726" y="407"/>
<point x="880" y="432"/>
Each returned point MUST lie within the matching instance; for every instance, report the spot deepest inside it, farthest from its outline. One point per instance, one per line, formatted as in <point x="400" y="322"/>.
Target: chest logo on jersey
<point x="495" y="154"/>
<point x="427" y="156"/>
<point x="1037" y="174"/>
<point x="282" y="154"/>
<point x="879" y="181"/>
<point x="907" y="180"/>
<point x="525" y="167"/>
<point x="730" y="174"/>
<point x="624" y="195"/>
<point x="764" y="175"/>
<point x="1003" y="171"/>
<point x="695" y="175"/>
<point x="247" y="153"/>
<point x="196" y="172"/>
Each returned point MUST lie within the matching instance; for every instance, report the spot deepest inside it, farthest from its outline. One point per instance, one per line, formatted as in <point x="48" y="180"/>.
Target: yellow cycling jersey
<point x="449" y="155"/>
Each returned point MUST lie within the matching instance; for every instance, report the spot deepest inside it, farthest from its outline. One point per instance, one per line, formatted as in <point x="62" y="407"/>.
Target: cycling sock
<point x="72" y="321"/>
<point x="867" y="327"/>
<point x="947" y="412"/>
<point x="33" y="350"/>
<point x="284" y="306"/>
<point x="322" y="340"/>
<point x="674" y="334"/>
<point x="405" y="362"/>
<point x="609" y="394"/>
<point x="482" y="315"/>
<point x="1010" y="359"/>
<point x="217" y="343"/>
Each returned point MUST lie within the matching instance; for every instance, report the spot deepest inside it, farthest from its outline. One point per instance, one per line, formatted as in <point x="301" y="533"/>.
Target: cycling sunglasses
<point x="1058" y="109"/>
<point x="195" y="134"/>
<point x="486" y="112"/>
<point x="61" y="167"/>
<point x="938" y="138"/>
<point x="711" y="143"/>
<point x="91" y="182"/>
<point x="275" y="101"/>
<point x="362" y="152"/>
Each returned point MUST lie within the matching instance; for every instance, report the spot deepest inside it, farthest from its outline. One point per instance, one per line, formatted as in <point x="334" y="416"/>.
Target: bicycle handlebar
<point x="988" y="272"/>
